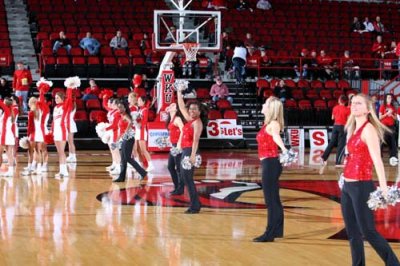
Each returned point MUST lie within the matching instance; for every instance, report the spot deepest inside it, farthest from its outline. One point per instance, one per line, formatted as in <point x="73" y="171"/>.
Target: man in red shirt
<point x="21" y="84"/>
<point x="340" y="113"/>
<point x="220" y="91"/>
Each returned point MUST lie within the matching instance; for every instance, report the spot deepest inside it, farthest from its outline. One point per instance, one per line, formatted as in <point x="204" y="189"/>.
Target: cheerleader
<point x="60" y="127"/>
<point x="141" y="130"/>
<point x="387" y="115"/>
<point x="175" y="126"/>
<point x="15" y="110"/>
<point x="126" y="137"/>
<point x="190" y="143"/>
<point x="72" y="129"/>
<point x="268" y="139"/>
<point x="364" y="134"/>
<point x="113" y="116"/>
<point x="7" y="134"/>
<point x="134" y="112"/>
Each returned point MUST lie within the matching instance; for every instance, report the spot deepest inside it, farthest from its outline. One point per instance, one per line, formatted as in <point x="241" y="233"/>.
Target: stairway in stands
<point x="248" y="107"/>
<point x="20" y="35"/>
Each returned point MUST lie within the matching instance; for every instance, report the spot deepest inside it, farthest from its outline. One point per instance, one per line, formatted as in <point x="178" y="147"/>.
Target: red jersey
<point x="188" y="134"/>
<point x="340" y="114"/>
<point x="92" y="90"/>
<point x="174" y="132"/>
<point x="22" y="80"/>
<point x="267" y="147"/>
<point x="359" y="163"/>
<point x="387" y="120"/>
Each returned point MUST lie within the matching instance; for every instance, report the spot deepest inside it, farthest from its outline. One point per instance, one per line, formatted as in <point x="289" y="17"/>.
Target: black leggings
<point x="359" y="222"/>
<point x="126" y="157"/>
<point x="390" y="139"/>
<point x="187" y="176"/>
<point x="271" y="171"/>
<point x="338" y="137"/>
<point x="174" y="165"/>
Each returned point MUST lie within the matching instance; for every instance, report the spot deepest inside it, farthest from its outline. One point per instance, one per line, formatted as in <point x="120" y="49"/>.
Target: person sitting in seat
<point x="62" y="42"/>
<point x="91" y="44"/>
<point x="118" y="42"/>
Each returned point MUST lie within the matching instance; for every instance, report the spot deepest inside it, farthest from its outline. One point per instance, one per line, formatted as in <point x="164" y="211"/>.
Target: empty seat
<point x="230" y="114"/>
<point x="214" y="115"/>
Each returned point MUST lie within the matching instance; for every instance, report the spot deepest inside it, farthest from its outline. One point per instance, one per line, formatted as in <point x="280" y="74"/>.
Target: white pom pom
<point x="181" y="84"/>
<point x="187" y="165"/>
<point x="377" y="200"/>
<point x="175" y="151"/>
<point x="43" y="80"/>
<point x="72" y="82"/>
<point x="106" y="137"/>
<point x="24" y="143"/>
<point x="101" y="129"/>
<point x="163" y="142"/>
<point x="288" y="157"/>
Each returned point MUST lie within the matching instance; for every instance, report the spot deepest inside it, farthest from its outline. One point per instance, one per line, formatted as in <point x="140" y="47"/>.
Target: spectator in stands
<point x="376" y="104"/>
<point x="225" y="43"/>
<point x="368" y="27"/>
<point x="145" y="43"/>
<point x="171" y="35"/>
<point x="220" y="91"/>
<point x="327" y="65"/>
<point x="239" y="61"/>
<point x="265" y="61"/>
<point x="5" y="90"/>
<point x="62" y="42"/>
<point x="263" y="5"/>
<point x="91" y="44"/>
<point x="282" y="91"/>
<point x="303" y="72"/>
<point x="91" y="92"/>
<point x="243" y="5"/>
<point x="118" y="42"/>
<point x="388" y="116"/>
<point x="249" y="42"/>
<point x="350" y="69"/>
<point x="357" y="26"/>
<point x="378" y="48"/>
<point x="313" y="65"/>
<point x="379" y="28"/>
<point x="21" y="84"/>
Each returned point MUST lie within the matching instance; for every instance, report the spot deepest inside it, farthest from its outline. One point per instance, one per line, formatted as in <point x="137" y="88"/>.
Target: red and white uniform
<point x="7" y="135"/>
<point x="134" y="113"/>
<point x="72" y="128"/>
<point x="37" y="125"/>
<point x="60" y="118"/>
<point x="141" y="128"/>
<point x="15" y="110"/>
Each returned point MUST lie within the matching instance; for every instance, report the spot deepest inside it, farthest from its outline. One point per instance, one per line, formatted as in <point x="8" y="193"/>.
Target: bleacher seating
<point x="6" y="55"/>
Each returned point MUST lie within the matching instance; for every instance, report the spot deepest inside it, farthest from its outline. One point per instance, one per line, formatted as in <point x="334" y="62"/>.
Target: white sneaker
<point x="8" y="173"/>
<point x="71" y="159"/>
<point x="110" y="168"/>
<point x="393" y="161"/>
<point x="61" y="175"/>
<point x="150" y="168"/>
<point x="115" y="171"/>
<point x="44" y="168"/>
<point x="26" y="172"/>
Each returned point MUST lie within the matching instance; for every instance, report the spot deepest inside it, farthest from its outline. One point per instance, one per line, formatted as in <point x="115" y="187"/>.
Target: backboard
<point x="174" y="27"/>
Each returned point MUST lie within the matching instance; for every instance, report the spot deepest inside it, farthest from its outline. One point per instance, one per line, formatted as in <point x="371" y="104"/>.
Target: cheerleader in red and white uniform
<point x="141" y="130"/>
<point x="72" y="129"/>
<point x="15" y="110"/>
<point x="7" y="134"/>
<point x="60" y="127"/>
<point x="113" y="117"/>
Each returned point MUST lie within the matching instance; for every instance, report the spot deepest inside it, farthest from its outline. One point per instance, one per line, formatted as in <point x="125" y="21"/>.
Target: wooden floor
<point x="88" y="220"/>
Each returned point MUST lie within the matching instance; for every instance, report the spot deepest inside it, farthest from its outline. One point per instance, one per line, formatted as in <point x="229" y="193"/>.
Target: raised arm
<point x="182" y="107"/>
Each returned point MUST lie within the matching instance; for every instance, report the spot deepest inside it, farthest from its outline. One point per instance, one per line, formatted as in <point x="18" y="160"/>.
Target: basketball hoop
<point x="190" y="49"/>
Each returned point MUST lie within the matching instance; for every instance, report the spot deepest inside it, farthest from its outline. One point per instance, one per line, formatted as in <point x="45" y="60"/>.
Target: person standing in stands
<point x="387" y="116"/>
<point x="365" y="132"/>
<point x="239" y="61"/>
<point x="21" y="84"/>
<point x="340" y="113"/>
<point x="269" y="139"/>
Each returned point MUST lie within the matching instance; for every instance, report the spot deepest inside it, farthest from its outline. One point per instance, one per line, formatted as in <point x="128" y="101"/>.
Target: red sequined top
<point x="267" y="147"/>
<point x="188" y="134"/>
<point x="359" y="163"/>
<point x="174" y="132"/>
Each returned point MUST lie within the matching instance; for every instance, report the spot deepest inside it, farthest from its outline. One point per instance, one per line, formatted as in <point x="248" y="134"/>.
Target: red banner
<point x="167" y="90"/>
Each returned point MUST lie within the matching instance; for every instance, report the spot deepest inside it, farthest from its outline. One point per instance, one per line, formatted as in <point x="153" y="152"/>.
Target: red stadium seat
<point x="214" y="115"/>
<point x="223" y="104"/>
<point x="93" y="104"/>
<point x="122" y="92"/>
<point x="97" y="116"/>
<point x="230" y="114"/>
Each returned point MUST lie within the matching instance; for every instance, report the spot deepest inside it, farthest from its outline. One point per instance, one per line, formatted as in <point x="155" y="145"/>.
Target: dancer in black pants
<point x="127" y="136"/>
<point x="175" y="126"/>
<point x="190" y="144"/>
<point x="340" y="114"/>
<point x="268" y="139"/>
<point x="364" y="133"/>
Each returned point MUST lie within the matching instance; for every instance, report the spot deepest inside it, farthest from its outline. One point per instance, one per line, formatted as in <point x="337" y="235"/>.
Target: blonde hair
<point x="275" y="111"/>
<point x="133" y="95"/>
<point x="371" y="117"/>
<point x="32" y="105"/>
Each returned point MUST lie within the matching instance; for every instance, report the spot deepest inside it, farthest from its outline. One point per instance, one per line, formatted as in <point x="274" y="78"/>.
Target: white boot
<point x="44" y="168"/>
<point x="111" y="167"/>
<point x="150" y="167"/>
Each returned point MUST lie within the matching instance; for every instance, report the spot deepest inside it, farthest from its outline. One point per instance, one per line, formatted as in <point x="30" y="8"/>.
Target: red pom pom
<point x="44" y="87"/>
<point x="106" y="93"/>
<point x="49" y="138"/>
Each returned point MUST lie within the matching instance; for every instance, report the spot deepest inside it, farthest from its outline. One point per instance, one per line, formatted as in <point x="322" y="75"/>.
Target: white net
<point x="191" y="50"/>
